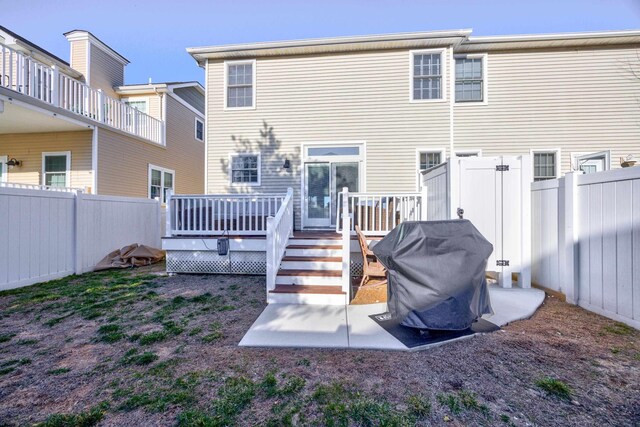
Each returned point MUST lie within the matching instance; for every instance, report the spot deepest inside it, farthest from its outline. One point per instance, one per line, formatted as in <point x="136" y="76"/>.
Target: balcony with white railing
<point x="25" y="75"/>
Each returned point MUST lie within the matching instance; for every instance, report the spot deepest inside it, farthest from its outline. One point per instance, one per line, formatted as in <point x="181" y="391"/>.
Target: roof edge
<point x="552" y="36"/>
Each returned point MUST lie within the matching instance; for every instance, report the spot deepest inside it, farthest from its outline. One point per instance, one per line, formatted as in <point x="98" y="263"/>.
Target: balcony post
<point x="55" y="86"/>
<point x="100" y="106"/>
<point x="346" y="244"/>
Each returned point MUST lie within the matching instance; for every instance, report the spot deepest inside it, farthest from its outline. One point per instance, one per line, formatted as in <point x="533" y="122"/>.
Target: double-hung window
<point x="470" y="79"/>
<point x="427" y="73"/>
<point x="545" y="165"/>
<point x="245" y="169"/>
<point x="161" y="180"/>
<point x="55" y="169"/>
<point x="240" y="84"/>
<point x="199" y="135"/>
<point x="429" y="159"/>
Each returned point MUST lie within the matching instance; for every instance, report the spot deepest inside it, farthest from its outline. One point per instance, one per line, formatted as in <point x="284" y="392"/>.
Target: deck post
<point x="167" y="230"/>
<point x="271" y="268"/>
<point x="346" y="245"/>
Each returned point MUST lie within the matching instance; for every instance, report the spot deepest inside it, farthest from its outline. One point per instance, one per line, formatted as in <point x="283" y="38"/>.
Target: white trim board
<point x="3" y="168"/>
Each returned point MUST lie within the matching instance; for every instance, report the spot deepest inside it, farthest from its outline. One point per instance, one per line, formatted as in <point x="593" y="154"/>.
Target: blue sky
<point x="153" y="35"/>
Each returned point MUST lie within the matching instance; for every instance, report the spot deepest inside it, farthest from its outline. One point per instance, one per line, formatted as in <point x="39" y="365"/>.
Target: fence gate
<point x="493" y="193"/>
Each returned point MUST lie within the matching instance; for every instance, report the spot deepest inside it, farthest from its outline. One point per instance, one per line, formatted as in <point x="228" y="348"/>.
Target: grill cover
<point x="436" y="273"/>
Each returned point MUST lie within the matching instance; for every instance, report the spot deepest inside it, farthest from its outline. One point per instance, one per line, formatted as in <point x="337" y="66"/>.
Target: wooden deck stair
<point x="311" y="271"/>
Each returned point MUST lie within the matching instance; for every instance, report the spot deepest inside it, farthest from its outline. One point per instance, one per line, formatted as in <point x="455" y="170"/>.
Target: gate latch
<point x="502" y="262"/>
<point x="502" y="168"/>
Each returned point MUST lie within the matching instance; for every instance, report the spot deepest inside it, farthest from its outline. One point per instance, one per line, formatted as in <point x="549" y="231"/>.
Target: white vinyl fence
<point x="586" y="240"/>
<point x="50" y="234"/>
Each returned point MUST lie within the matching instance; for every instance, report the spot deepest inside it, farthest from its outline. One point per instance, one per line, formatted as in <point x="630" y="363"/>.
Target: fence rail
<point x="379" y="213"/>
<point x="25" y="75"/>
<point x="201" y="215"/>
<point x="279" y="229"/>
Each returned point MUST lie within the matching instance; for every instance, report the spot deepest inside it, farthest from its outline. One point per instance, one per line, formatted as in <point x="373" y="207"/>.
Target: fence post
<point x="423" y="201"/>
<point x="346" y="245"/>
<point x="77" y="229"/>
<point x="168" y="232"/>
<point x="569" y="237"/>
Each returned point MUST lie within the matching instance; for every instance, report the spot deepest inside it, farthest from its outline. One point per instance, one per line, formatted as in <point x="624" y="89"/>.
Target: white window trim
<point x="558" y="153"/>
<point x="476" y="151"/>
<point x="162" y="170"/>
<point x="443" y="72"/>
<point x="195" y="129"/>
<point x="3" y="168"/>
<point x="253" y="83"/>
<point x="67" y="178"/>
<point x="245" y="184"/>
<point x="137" y="99"/>
<point x="419" y="151"/>
<point x="485" y="80"/>
<point x="605" y="153"/>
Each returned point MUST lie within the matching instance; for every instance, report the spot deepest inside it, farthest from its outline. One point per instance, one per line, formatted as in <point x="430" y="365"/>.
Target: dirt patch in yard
<point x="133" y="347"/>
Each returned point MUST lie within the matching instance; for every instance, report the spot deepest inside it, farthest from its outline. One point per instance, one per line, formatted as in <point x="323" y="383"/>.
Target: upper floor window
<point x="161" y="180"/>
<point x="56" y="168"/>
<point x="138" y="104"/>
<point x="199" y="130"/>
<point x="240" y="86"/>
<point x="427" y="73"/>
<point x="470" y="79"/>
<point x="545" y="165"/>
<point x="245" y="169"/>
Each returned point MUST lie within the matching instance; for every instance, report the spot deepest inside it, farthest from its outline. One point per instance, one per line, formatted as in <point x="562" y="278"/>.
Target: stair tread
<point x="312" y="258"/>
<point x="321" y="273"/>
<point x="307" y="289"/>
<point x="314" y="247"/>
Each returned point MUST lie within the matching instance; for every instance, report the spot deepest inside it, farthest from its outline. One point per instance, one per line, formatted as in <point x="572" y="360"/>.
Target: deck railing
<point x="279" y="229"/>
<point x="379" y="213"/>
<point x="45" y="83"/>
<point x="217" y="214"/>
<point x="40" y="187"/>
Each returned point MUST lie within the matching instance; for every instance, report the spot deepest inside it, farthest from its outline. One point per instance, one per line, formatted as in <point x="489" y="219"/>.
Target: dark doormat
<point x="413" y="338"/>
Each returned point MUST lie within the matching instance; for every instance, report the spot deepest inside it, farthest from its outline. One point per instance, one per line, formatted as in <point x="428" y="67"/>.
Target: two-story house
<point x="370" y="112"/>
<point x="77" y="124"/>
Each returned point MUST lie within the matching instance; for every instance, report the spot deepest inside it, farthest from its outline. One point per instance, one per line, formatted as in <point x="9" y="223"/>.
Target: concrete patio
<point x="323" y="326"/>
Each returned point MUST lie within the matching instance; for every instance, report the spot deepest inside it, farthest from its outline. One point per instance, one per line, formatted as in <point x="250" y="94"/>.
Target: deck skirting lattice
<point x="209" y="262"/>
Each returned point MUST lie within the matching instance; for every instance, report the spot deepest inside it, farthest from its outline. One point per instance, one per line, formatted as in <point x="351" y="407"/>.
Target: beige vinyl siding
<point x="356" y="97"/>
<point x="192" y="96"/>
<point x="28" y="148"/>
<point x="106" y="72"/>
<point x="123" y="161"/>
<point x="579" y="100"/>
<point x="155" y="105"/>
<point x="79" y="56"/>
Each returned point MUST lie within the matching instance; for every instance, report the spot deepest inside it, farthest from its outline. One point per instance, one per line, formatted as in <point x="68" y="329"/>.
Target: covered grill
<point x="436" y="273"/>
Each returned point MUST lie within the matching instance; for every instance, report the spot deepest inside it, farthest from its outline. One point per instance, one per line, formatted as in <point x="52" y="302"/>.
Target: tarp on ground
<point x="130" y="256"/>
<point x="436" y="273"/>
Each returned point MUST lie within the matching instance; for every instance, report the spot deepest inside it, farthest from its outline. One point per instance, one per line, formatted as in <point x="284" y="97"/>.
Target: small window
<point x="245" y="169"/>
<point x="592" y="162"/>
<point x="427" y="72"/>
<point x="138" y="104"/>
<point x="199" y="130"/>
<point x="161" y="180"/>
<point x="55" y="169"/>
<point x="240" y="84"/>
<point x="545" y="165"/>
<point x="430" y="159"/>
<point x="469" y="153"/>
<point x="333" y="151"/>
<point x="469" y="79"/>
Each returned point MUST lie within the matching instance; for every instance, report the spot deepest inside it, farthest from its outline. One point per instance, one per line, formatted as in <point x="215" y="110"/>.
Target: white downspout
<point x="452" y="94"/>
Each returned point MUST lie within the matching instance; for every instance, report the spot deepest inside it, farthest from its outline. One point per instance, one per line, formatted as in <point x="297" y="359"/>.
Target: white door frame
<point x="3" y="168"/>
<point x="360" y="159"/>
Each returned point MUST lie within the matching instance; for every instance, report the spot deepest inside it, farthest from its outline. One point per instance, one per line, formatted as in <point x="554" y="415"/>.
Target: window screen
<point x="427" y="76"/>
<point x="240" y="85"/>
<point x="469" y="79"/>
<point x="544" y="166"/>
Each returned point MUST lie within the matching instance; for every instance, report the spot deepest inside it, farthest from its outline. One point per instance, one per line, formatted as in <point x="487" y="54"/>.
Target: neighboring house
<point x="369" y="112"/>
<point x="78" y="125"/>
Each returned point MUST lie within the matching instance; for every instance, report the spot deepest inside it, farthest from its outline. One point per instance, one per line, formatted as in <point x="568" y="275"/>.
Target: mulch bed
<point x="134" y="348"/>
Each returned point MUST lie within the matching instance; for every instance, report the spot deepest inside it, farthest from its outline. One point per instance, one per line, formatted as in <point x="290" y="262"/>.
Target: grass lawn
<point x="134" y="348"/>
